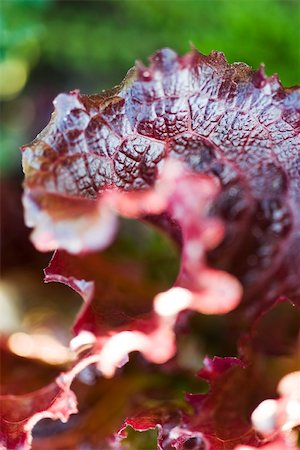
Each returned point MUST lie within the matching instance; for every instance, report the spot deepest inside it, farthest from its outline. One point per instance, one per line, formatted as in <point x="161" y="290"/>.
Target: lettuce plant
<point x="209" y="154"/>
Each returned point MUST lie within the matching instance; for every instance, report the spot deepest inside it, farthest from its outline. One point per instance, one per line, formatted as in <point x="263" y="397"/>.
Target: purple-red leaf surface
<point x="236" y="125"/>
<point x="205" y="151"/>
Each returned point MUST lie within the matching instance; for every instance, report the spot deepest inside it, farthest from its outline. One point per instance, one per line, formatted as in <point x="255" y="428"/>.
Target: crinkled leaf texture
<point x="204" y="150"/>
<point x="238" y="126"/>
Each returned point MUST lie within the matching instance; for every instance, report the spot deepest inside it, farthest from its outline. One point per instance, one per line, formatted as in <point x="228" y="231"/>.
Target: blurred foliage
<point x="47" y="46"/>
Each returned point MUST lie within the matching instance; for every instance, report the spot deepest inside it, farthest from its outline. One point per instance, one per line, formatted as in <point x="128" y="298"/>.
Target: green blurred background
<point x="49" y="46"/>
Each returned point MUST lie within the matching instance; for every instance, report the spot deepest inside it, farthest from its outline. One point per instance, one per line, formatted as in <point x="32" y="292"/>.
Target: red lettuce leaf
<point x="102" y="405"/>
<point x="120" y="313"/>
<point x="208" y="152"/>
<point x="237" y="125"/>
<point x="28" y="395"/>
<point x="219" y="419"/>
<point x="20" y="412"/>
